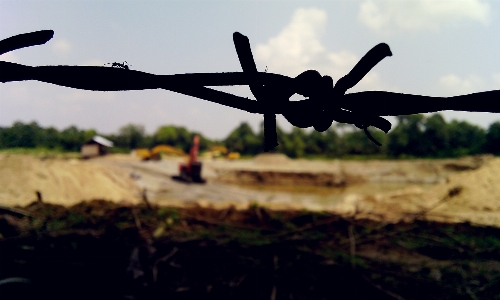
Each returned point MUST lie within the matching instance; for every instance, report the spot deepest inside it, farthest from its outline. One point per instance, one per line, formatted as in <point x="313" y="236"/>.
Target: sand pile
<point x="469" y="196"/>
<point x="61" y="181"/>
<point x="478" y="200"/>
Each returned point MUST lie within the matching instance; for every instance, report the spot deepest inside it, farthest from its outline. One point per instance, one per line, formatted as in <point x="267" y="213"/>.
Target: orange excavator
<point x="191" y="172"/>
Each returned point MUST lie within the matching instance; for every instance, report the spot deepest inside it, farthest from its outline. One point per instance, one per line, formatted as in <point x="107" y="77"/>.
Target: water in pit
<point x="325" y="195"/>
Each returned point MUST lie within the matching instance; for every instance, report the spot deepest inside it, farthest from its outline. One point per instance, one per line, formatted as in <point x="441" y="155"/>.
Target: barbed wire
<point x="325" y="101"/>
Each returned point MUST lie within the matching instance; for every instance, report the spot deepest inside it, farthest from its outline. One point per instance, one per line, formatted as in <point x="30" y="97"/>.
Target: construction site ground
<point x="376" y="189"/>
<point x="416" y="229"/>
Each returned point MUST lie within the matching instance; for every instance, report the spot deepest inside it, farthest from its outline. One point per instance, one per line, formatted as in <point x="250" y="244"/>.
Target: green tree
<point x="465" y="138"/>
<point x="22" y="135"/>
<point x="49" y="138"/>
<point x="332" y="141"/>
<point x="315" y="143"/>
<point x="436" y="136"/>
<point x="3" y="137"/>
<point x="407" y="136"/>
<point x="174" y="136"/>
<point x="131" y="136"/>
<point x="89" y="134"/>
<point x="71" y="138"/>
<point x="243" y="140"/>
<point x="356" y="142"/>
<point x="492" y="144"/>
<point x="295" y="146"/>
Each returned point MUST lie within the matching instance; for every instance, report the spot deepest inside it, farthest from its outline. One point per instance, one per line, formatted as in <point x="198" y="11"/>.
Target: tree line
<point x="130" y="136"/>
<point x="413" y="136"/>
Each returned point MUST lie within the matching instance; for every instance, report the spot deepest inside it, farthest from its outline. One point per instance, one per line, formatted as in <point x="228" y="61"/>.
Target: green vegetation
<point x="38" y="151"/>
<point x="414" y="136"/>
<point x="42" y="153"/>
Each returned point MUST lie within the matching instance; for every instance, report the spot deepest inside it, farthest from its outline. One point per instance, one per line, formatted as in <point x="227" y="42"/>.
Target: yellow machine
<point x="221" y="151"/>
<point x="157" y="152"/>
<point x="216" y="151"/>
<point x="143" y="153"/>
<point x="233" y="155"/>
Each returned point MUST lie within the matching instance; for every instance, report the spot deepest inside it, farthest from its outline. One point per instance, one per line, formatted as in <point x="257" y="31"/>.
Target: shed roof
<point x="102" y="141"/>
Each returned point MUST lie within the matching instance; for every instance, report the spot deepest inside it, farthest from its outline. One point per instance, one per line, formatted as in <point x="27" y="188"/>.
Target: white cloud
<point x="62" y="47"/>
<point x="457" y="85"/>
<point x="389" y="15"/>
<point x="297" y="45"/>
<point x="298" y="48"/>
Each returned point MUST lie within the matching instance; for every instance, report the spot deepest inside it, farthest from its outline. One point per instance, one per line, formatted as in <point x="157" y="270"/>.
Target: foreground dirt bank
<point x="104" y="250"/>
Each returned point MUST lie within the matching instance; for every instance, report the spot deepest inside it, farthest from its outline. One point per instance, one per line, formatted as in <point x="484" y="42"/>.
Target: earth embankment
<point x="61" y="181"/>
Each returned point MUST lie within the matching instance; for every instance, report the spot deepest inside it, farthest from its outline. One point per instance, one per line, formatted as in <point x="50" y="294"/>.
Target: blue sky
<point x="440" y="48"/>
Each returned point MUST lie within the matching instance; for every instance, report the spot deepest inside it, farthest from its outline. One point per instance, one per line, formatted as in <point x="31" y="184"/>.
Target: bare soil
<point x="381" y="190"/>
<point x="388" y="191"/>
<point x="61" y="181"/>
<point x="420" y="229"/>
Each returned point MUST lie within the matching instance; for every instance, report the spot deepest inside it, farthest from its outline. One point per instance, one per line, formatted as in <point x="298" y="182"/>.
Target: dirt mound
<point x="479" y="199"/>
<point x="271" y="159"/>
<point x="468" y="196"/>
<point x="61" y="181"/>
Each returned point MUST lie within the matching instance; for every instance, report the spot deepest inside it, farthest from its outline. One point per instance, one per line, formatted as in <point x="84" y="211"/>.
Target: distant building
<point x="97" y="146"/>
